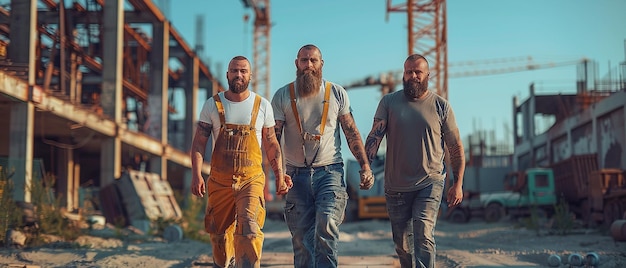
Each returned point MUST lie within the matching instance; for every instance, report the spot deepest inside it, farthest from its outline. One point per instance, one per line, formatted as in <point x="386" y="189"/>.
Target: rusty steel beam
<point x="51" y="4"/>
<point x="143" y="6"/>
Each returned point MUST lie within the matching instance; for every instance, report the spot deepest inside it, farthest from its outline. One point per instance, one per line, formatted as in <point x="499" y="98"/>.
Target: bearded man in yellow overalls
<point x="240" y="121"/>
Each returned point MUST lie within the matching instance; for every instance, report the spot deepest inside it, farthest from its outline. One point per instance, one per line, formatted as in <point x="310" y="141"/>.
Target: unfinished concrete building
<point x="84" y="89"/>
<point x="582" y="138"/>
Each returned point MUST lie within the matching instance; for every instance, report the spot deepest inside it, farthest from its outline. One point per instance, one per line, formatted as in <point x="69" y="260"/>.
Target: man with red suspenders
<point x="240" y="121"/>
<point x="309" y="112"/>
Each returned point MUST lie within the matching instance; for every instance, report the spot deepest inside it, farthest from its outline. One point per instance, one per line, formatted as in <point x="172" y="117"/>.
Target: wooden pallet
<point x="373" y="207"/>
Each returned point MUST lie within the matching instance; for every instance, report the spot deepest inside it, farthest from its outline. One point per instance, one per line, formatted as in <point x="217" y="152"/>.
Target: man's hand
<point x="197" y="186"/>
<point x="283" y="186"/>
<point x="367" y="179"/>
<point x="455" y="195"/>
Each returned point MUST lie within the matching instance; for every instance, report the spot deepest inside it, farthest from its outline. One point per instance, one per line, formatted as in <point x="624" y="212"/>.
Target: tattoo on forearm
<point x="354" y="138"/>
<point x="278" y="129"/>
<point x="371" y="147"/>
<point x="275" y="166"/>
<point x="375" y="137"/>
<point x="457" y="159"/>
<point x="270" y="136"/>
<point x="272" y="150"/>
<point x="380" y="127"/>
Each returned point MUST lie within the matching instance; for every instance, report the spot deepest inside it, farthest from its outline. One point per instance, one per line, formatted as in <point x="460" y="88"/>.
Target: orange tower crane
<point x="261" y="45"/>
<point x="427" y="34"/>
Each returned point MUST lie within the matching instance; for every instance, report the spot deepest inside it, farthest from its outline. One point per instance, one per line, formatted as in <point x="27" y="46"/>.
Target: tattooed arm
<point x="278" y="128"/>
<point x="379" y="129"/>
<point x="354" y="140"/>
<point x="272" y="150"/>
<point x="457" y="162"/>
<point x="200" y="138"/>
<point x="358" y="150"/>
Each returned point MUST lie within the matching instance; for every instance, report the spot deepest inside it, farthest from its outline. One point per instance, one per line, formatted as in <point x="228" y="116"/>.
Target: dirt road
<point x="363" y="244"/>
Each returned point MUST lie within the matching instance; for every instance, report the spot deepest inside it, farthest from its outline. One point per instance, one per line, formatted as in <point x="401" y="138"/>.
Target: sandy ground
<point x="363" y="244"/>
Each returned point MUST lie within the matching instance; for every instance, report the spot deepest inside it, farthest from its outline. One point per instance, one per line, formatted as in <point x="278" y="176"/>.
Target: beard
<point x="414" y="89"/>
<point x="238" y="85"/>
<point x="308" y="82"/>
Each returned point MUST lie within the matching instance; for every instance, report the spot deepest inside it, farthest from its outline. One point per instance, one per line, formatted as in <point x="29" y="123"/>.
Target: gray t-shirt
<point x="415" y="132"/>
<point x="310" y="112"/>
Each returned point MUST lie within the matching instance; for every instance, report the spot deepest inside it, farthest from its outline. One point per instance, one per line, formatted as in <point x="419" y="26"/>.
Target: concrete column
<point x="191" y="100"/>
<point x="157" y="97"/>
<point x="21" y="50"/>
<point x="113" y="37"/>
<point x="21" y="149"/>
<point x="192" y="80"/>
<point x="68" y="178"/>
<point x="532" y="101"/>
<point x="187" y="176"/>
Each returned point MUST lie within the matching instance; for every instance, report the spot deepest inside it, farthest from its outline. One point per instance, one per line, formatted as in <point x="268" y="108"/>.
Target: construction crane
<point x="389" y="80"/>
<point x="427" y="35"/>
<point x="261" y="62"/>
<point x="261" y="45"/>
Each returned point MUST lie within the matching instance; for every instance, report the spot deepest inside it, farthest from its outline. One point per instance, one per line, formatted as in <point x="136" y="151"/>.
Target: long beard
<point x="237" y="85"/>
<point x="308" y="83"/>
<point x="414" y="89"/>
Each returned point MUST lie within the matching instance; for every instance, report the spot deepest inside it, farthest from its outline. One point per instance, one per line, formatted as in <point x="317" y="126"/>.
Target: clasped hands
<point x="367" y="179"/>
<point x="283" y="186"/>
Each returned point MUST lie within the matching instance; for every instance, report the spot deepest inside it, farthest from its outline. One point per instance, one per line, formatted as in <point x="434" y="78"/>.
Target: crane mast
<point x="261" y="45"/>
<point x="427" y="35"/>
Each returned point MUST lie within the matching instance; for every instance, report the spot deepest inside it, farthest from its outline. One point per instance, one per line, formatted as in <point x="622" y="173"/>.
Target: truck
<point x="365" y="204"/>
<point x="594" y="196"/>
<point x="533" y="189"/>
<point x="597" y="196"/>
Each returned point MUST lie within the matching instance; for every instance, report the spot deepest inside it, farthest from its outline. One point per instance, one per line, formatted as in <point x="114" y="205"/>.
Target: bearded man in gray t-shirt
<point x="417" y="123"/>
<point x="310" y="111"/>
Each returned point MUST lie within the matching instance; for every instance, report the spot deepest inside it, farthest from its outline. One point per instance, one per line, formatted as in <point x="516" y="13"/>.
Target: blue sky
<point x="357" y="41"/>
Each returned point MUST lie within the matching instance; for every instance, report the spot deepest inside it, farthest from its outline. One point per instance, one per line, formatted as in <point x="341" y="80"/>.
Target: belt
<point x="308" y="170"/>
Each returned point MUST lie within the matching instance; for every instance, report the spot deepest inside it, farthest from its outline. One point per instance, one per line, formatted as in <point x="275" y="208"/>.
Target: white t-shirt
<point x="238" y="113"/>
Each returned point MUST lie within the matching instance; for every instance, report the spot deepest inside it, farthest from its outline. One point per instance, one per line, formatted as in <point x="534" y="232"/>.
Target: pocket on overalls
<point x="209" y="220"/>
<point x="260" y="217"/>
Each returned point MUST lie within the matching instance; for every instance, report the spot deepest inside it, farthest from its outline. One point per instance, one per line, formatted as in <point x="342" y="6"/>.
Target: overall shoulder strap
<point x="294" y="108"/>
<point x="326" y="104"/>
<point x="220" y="108"/>
<point x="255" y="110"/>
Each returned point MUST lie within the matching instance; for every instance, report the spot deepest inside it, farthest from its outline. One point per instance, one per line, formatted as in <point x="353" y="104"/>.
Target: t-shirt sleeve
<point x="450" y="127"/>
<point x="278" y="102"/>
<point x="381" y="111"/>
<point x="208" y="108"/>
<point x="342" y="99"/>
<point x="269" y="114"/>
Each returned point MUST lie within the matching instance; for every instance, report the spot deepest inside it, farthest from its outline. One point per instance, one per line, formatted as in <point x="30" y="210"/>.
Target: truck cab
<point x="531" y="189"/>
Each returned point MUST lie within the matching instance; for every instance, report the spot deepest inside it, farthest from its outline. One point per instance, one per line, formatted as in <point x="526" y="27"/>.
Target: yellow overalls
<point x="235" y="211"/>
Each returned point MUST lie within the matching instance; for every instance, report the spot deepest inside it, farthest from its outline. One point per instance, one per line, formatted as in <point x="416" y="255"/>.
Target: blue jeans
<point x="413" y="216"/>
<point x="314" y="209"/>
